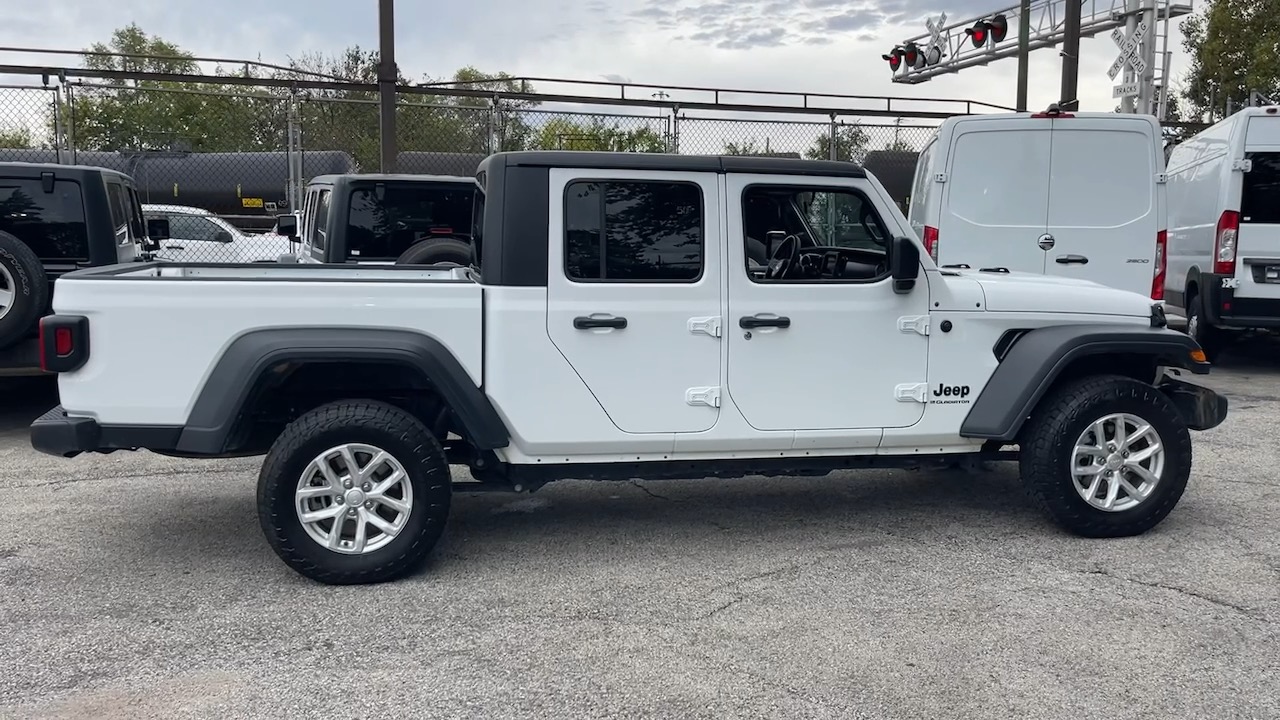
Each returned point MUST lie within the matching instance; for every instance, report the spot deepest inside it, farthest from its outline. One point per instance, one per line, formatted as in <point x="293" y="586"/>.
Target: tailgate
<point x="1258" y="239"/>
<point x="154" y="340"/>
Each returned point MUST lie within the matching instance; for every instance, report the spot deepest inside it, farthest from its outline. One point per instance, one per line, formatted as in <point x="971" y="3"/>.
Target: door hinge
<point x="911" y="392"/>
<point x="705" y="325"/>
<point x="1162" y="178"/>
<point x="709" y="396"/>
<point x="1243" y="165"/>
<point x="940" y="177"/>
<point x="914" y="323"/>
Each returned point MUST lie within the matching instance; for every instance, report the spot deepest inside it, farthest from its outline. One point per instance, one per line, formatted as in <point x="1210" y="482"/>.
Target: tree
<point x="560" y="133"/>
<point x="1233" y="48"/>
<point x="750" y="146"/>
<point x="16" y="139"/>
<point x="851" y="144"/>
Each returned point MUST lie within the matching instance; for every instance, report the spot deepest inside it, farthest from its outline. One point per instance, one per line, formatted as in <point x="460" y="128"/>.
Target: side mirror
<point x="157" y="229"/>
<point x="904" y="264"/>
<point x="222" y="236"/>
<point x="287" y="225"/>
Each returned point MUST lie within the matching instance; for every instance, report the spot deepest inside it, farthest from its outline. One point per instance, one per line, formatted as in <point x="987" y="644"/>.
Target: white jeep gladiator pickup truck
<point x="618" y="324"/>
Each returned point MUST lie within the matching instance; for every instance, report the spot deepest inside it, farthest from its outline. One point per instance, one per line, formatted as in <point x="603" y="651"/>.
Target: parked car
<point x="611" y="328"/>
<point x="199" y="236"/>
<point x="55" y="219"/>
<point x="384" y="219"/>
<point x="1076" y="195"/>
<point x="1224" y="227"/>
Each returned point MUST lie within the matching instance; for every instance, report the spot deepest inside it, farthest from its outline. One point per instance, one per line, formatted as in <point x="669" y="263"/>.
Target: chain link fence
<point x="223" y="160"/>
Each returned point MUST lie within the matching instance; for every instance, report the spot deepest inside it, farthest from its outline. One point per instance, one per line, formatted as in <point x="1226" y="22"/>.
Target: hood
<point x="1030" y="292"/>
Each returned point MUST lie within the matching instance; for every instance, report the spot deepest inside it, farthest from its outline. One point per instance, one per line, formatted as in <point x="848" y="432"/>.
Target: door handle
<point x="583" y="322"/>
<point x="748" y="322"/>
<point x="173" y="247"/>
<point x="1071" y="260"/>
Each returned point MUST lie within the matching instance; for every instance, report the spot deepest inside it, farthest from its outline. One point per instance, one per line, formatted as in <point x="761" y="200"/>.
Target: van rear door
<point x="1104" y="205"/>
<point x="1258" y="239"/>
<point x="995" y="195"/>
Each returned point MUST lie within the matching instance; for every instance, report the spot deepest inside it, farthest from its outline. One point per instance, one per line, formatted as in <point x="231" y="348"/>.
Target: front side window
<point x="630" y="230"/>
<point x="193" y="227"/>
<point x="793" y="233"/>
<point x="51" y="224"/>
<point x="119" y="204"/>
<point x="383" y="228"/>
<point x="320" y="225"/>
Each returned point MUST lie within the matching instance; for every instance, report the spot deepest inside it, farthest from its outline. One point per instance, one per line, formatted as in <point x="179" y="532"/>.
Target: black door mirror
<point x="287" y="225"/>
<point x="904" y="264"/>
<point x="157" y="229"/>
<point x="222" y="236"/>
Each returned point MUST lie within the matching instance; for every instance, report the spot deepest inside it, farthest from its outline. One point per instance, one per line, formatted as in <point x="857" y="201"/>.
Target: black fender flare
<point x="1039" y="357"/>
<point x="251" y="356"/>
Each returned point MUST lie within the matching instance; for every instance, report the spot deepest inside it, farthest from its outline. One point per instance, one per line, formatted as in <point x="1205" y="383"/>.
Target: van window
<point x="1260" y="199"/>
<point x="997" y="179"/>
<point x="919" y="200"/>
<point x="1101" y="178"/>
<point x="51" y="224"/>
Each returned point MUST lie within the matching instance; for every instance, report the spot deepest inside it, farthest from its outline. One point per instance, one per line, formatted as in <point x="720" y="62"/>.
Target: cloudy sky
<point x="830" y="46"/>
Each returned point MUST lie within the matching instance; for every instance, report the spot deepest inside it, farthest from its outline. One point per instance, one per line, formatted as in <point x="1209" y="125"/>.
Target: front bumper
<point x="1200" y="407"/>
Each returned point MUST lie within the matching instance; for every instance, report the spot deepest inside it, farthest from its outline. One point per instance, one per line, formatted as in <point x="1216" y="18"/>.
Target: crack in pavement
<point x="132" y="476"/>
<point x="1246" y="611"/>
<point x="650" y="493"/>
<point x="725" y="606"/>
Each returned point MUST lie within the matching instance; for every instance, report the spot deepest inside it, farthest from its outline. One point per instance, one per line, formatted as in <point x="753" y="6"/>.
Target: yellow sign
<point x="251" y="202"/>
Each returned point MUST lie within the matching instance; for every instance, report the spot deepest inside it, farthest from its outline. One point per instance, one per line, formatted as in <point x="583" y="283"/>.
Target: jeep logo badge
<point x="961" y="391"/>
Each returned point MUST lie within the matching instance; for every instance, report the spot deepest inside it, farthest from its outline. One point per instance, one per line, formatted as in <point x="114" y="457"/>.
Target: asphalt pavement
<point x="138" y="586"/>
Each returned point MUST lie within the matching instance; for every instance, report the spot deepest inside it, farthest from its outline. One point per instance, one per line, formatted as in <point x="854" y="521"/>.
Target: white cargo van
<point x="1075" y="195"/>
<point x="1224" y="227"/>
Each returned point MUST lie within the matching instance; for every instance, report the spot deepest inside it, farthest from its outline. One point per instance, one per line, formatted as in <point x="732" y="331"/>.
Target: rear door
<point x="1258" y="252"/>
<point x="995" y="195"/>
<point x="1104" y="212"/>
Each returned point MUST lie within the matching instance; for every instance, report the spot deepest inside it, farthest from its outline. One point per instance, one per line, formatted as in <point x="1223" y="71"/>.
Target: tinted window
<point x="406" y="215"/>
<point x="135" y="215"/>
<point x="119" y="203"/>
<point x="191" y="227"/>
<point x="633" y="230"/>
<point x="320" y="225"/>
<point x="51" y="224"/>
<point x="1260" y="201"/>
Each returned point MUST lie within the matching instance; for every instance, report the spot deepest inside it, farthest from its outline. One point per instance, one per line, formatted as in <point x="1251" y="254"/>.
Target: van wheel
<point x="437" y="250"/>
<point x="354" y="492"/>
<point x="24" y="290"/>
<point x="1106" y="456"/>
<point x="1211" y="339"/>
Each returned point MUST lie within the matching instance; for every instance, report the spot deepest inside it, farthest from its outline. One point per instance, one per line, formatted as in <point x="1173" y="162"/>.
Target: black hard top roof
<point x="387" y="177"/>
<point x="674" y="163"/>
<point x="35" y="168"/>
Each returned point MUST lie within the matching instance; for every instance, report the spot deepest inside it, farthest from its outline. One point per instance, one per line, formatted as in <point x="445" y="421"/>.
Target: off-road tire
<point x="1212" y="340"/>
<point x="437" y="250"/>
<point x="364" y="421"/>
<point x="30" y="291"/>
<point x="1048" y="443"/>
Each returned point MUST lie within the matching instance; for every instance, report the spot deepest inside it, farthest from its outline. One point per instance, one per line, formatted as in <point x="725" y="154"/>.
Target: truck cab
<point x="383" y="219"/>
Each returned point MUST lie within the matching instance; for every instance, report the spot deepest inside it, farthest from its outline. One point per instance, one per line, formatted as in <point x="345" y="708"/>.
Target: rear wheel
<point x="1211" y="339"/>
<point x="433" y="251"/>
<point x="354" y="492"/>
<point x="1106" y="456"/>
<point x="24" y="290"/>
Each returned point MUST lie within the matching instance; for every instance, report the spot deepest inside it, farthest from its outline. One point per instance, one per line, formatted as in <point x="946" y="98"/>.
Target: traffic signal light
<point x="993" y="30"/>
<point x="895" y="58"/>
<point x="912" y="56"/>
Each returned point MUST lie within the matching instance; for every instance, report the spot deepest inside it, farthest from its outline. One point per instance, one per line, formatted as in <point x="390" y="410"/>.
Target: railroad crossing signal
<point x="1130" y="52"/>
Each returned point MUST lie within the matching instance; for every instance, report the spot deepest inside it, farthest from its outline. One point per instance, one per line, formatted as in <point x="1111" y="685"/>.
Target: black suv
<point x="55" y="219"/>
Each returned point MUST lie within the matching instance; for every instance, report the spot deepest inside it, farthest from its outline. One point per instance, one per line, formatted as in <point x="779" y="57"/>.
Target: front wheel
<point x="354" y="492"/>
<point x="1106" y="456"/>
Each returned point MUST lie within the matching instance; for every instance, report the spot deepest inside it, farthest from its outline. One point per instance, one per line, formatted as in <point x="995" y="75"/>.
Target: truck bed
<point x="157" y="329"/>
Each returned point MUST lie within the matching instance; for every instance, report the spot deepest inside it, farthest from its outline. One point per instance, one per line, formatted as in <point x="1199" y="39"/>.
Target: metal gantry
<point x="947" y="47"/>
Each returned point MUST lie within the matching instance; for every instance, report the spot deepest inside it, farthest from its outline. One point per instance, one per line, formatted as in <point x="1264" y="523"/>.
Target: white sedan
<point x="198" y="236"/>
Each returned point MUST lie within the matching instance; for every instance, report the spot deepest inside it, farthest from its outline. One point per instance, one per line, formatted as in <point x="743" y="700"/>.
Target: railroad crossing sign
<point x="933" y="50"/>
<point x="1130" y="52"/>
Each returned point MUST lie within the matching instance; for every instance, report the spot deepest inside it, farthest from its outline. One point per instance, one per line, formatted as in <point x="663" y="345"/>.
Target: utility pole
<point x="1024" y="41"/>
<point x="387" y="84"/>
<point x="1070" y="57"/>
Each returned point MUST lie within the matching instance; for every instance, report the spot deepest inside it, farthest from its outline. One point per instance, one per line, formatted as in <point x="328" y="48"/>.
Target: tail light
<point x="1224" y="243"/>
<point x="64" y="343"/>
<point x="931" y="242"/>
<point x="1162" y="264"/>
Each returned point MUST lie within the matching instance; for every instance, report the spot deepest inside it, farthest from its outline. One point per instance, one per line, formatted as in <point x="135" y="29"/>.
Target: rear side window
<point x="320" y="225"/>
<point x="1101" y="178"/>
<point x="406" y="215"/>
<point x="1260" y="199"/>
<point x="997" y="179"/>
<point x="638" y="231"/>
<point x="51" y="224"/>
<point x="119" y="203"/>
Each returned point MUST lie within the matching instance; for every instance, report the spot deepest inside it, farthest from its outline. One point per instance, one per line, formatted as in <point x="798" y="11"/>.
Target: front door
<point x="634" y="293"/>
<point x="197" y="239"/>
<point x="828" y="345"/>
<point x="995" y="196"/>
